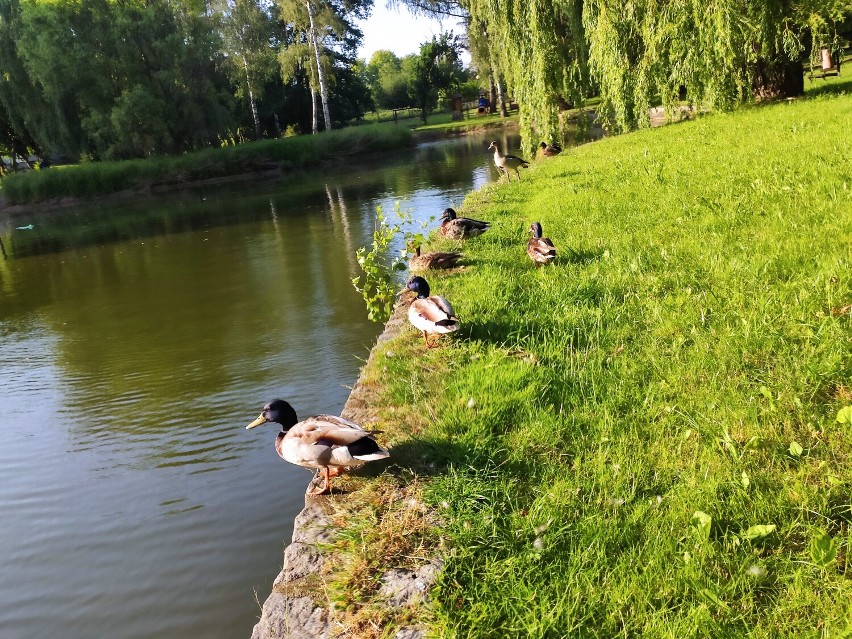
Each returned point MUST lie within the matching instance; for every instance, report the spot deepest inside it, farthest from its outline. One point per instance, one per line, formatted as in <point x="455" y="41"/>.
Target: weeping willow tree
<point x="539" y="48"/>
<point x="715" y="53"/>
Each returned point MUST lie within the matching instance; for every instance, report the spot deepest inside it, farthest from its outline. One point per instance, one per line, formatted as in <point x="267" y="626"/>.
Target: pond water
<point x="137" y="338"/>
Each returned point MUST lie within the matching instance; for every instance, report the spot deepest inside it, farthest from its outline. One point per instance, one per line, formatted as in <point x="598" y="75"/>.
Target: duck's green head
<point x="419" y="286"/>
<point x="448" y="214"/>
<point x="277" y="411"/>
<point x="535" y="227"/>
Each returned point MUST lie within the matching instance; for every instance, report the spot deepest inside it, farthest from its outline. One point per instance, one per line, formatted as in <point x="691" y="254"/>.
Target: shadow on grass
<point x="819" y="87"/>
<point x="581" y="257"/>
<point x="424" y="457"/>
<point x="495" y="331"/>
<point x="427" y="456"/>
<point x="432" y="457"/>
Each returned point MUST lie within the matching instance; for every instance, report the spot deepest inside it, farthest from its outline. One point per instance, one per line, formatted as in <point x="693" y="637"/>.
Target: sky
<point x="399" y="31"/>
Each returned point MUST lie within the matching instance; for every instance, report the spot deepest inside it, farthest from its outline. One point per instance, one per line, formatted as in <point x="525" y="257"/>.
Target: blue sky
<point x="399" y="31"/>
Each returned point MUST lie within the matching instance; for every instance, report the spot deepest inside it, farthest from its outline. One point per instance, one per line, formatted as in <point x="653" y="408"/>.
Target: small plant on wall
<point x="378" y="283"/>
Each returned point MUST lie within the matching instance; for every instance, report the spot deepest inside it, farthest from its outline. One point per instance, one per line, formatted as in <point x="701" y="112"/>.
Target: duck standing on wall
<point x="325" y="442"/>
<point x="433" y="259"/>
<point x="540" y="249"/>
<point x="507" y="162"/>
<point x="549" y="150"/>
<point x="430" y="313"/>
<point x="460" y="228"/>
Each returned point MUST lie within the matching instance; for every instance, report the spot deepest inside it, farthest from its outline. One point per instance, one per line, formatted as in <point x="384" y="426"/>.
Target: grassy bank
<point x="641" y="440"/>
<point x="443" y="123"/>
<point x="285" y="154"/>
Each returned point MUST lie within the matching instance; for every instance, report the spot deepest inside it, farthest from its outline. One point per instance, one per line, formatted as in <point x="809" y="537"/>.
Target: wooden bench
<point x="828" y="65"/>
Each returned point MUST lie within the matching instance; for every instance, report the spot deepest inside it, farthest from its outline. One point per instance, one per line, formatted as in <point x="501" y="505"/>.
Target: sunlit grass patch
<point x="642" y="439"/>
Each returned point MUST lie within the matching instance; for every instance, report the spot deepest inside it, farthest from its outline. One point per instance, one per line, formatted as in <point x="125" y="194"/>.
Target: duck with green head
<point x="430" y="313"/>
<point x="325" y="442"/>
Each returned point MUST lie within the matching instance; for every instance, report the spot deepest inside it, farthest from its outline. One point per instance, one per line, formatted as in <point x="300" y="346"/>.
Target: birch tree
<point x="329" y="30"/>
<point x="246" y="29"/>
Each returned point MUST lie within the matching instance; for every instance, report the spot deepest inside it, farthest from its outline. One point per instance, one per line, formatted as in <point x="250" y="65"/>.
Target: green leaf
<point x="711" y="596"/>
<point x="823" y="550"/>
<point x="844" y="415"/>
<point x="745" y="480"/>
<point x="795" y="449"/>
<point x="760" y="530"/>
<point x="702" y="522"/>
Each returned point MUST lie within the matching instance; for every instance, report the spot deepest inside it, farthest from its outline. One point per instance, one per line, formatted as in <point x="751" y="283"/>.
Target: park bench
<point x="828" y="65"/>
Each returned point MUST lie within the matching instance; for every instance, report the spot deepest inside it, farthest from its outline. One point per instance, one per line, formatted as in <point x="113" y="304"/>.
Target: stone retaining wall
<point x="298" y="607"/>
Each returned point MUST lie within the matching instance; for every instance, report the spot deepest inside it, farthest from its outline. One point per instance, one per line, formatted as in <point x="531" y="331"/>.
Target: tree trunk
<point x="492" y="93"/>
<point x="501" y="99"/>
<point x="320" y="73"/>
<point x="314" y="128"/>
<point x="254" y="117"/>
<point x="779" y="78"/>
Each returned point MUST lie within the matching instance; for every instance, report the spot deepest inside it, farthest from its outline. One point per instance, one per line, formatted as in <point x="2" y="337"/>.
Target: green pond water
<point x="138" y="337"/>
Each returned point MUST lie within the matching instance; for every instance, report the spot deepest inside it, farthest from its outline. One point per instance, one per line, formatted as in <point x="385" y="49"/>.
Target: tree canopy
<point x="109" y="79"/>
<point x="437" y="72"/>
<point x="131" y="78"/>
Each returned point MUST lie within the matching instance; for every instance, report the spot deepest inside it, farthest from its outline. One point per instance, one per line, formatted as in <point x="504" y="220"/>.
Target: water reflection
<point x="136" y="341"/>
<point x="448" y="167"/>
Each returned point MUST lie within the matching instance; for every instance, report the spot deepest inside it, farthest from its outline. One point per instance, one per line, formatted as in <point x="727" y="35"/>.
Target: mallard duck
<point x="507" y="162"/>
<point x="325" y="442"/>
<point x="549" y="150"/>
<point x="540" y="249"/>
<point x="459" y="228"/>
<point x="433" y="259"/>
<point x="430" y="313"/>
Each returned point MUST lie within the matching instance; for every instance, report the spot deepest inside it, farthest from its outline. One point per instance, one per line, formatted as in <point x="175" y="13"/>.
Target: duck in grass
<point x="549" y="150"/>
<point x="507" y="163"/>
<point x="460" y="228"/>
<point x="433" y="259"/>
<point x="430" y="313"/>
<point x="540" y="249"/>
<point x="329" y="444"/>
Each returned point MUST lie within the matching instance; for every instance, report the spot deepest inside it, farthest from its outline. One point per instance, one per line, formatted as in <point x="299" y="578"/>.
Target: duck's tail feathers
<point x="367" y="449"/>
<point x="383" y="454"/>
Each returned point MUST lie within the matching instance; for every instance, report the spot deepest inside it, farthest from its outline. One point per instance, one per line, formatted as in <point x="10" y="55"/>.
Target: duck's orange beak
<point x="260" y="420"/>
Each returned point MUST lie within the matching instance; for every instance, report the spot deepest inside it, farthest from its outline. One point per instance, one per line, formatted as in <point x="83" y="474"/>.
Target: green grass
<point x="286" y="154"/>
<point x="600" y="435"/>
<point x="444" y="122"/>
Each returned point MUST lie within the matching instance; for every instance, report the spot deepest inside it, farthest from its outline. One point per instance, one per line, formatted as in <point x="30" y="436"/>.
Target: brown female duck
<point x="433" y="260"/>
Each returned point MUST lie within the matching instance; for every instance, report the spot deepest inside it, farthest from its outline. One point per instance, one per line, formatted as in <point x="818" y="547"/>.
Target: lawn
<point x="650" y="437"/>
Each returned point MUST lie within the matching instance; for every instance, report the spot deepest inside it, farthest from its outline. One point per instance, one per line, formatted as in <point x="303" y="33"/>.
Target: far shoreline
<point x="153" y="188"/>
